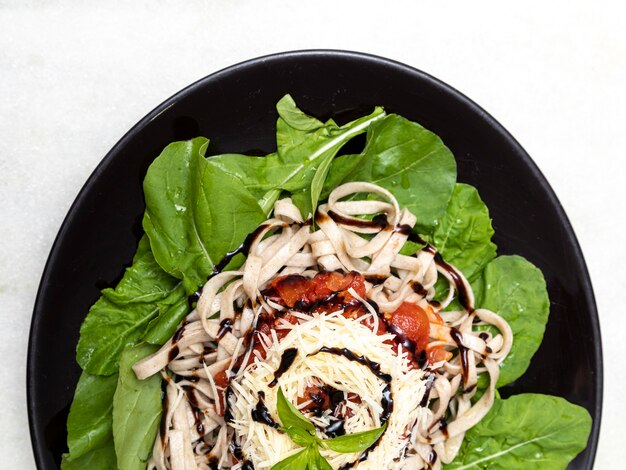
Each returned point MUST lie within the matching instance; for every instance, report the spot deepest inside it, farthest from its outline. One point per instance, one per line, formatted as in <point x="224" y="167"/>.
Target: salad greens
<point x="137" y="406"/>
<point x="190" y="219"/>
<point x="198" y="208"/>
<point x="90" y="424"/>
<point x="522" y="430"/>
<point x="121" y="317"/>
<point x="516" y="289"/>
<point x="463" y="236"/>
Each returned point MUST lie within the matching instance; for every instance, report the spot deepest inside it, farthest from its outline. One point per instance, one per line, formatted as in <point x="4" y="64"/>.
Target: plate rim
<point x="36" y="434"/>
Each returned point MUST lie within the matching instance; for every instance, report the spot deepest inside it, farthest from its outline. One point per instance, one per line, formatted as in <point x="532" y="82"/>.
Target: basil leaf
<point x="524" y="431"/>
<point x="289" y="414"/>
<point x="356" y="442"/>
<point x="300" y="436"/>
<point x="90" y="424"/>
<point x="136" y="411"/>
<point x="121" y="316"/>
<point x="516" y="290"/>
<point x="463" y="235"/>
<point x="296" y="461"/>
<point x="317" y="460"/>
<point x="412" y="163"/>
<point x="195" y="212"/>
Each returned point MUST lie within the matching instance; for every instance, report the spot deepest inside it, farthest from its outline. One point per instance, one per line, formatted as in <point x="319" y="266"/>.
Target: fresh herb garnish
<point x="302" y="432"/>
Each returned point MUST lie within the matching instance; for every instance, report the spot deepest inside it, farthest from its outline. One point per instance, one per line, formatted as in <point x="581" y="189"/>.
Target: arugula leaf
<point x="524" y="431"/>
<point x="306" y="148"/>
<point x="100" y="458"/>
<point x="136" y="411"/>
<point x="294" y="117"/>
<point x="165" y="325"/>
<point x="516" y="290"/>
<point x="412" y="163"/>
<point x="463" y="235"/>
<point x="289" y="415"/>
<point x="121" y="316"/>
<point x="356" y="442"/>
<point x="295" y="461"/>
<point x="195" y="212"/>
<point x="89" y="424"/>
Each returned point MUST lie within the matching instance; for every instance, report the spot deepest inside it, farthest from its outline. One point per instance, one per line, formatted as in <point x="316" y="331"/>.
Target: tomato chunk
<point x="437" y="354"/>
<point x="412" y="322"/>
<point x="292" y="289"/>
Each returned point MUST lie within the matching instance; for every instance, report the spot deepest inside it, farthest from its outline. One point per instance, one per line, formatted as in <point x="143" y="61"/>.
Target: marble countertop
<point x="75" y="76"/>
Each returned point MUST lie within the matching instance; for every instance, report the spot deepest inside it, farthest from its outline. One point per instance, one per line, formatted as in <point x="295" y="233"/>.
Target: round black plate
<point x="235" y="108"/>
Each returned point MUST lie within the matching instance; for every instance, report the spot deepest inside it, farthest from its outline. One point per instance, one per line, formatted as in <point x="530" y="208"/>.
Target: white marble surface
<point x="74" y="76"/>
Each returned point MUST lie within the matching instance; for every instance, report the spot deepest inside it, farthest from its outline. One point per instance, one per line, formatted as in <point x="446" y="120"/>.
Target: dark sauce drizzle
<point x="195" y="409"/>
<point x="261" y="414"/>
<point x="335" y="429"/>
<point x="415" y="238"/>
<point x="407" y="344"/>
<point x="228" y="414"/>
<point x="458" y="283"/>
<point x="463" y="352"/>
<point x="371" y="365"/>
<point x="171" y="355"/>
<point x="235" y="449"/>
<point x="432" y="458"/>
<point x="166" y="405"/>
<point x="289" y="355"/>
<point x="379" y="221"/>
<point x="226" y="326"/>
<point x="429" y="386"/>
<point x="219" y="267"/>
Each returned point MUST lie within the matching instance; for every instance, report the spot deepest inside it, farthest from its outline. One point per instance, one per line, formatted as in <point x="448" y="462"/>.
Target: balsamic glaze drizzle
<point x="226" y="326"/>
<point x="463" y="294"/>
<point x="379" y="221"/>
<point x="261" y="414"/>
<point x="463" y="353"/>
<point x="371" y="365"/>
<point x="289" y="355"/>
<point x="429" y="386"/>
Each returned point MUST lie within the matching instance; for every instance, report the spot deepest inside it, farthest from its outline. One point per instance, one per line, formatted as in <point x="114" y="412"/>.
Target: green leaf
<point x="89" y="424"/>
<point x="525" y="431"/>
<point x="306" y="148"/>
<point x="296" y="461"/>
<point x="412" y="163"/>
<point x="289" y="415"/>
<point x="165" y="325"/>
<point x="516" y="290"/>
<point x="136" y="411"/>
<point x="317" y="460"/>
<point x="356" y="442"/>
<point x="294" y="117"/>
<point x="121" y="316"/>
<point x="301" y="437"/>
<point x="100" y="458"/>
<point x="195" y="212"/>
<point x="463" y="236"/>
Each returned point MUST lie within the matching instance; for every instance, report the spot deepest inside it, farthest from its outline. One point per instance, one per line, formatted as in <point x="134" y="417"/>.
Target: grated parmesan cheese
<point x="265" y="446"/>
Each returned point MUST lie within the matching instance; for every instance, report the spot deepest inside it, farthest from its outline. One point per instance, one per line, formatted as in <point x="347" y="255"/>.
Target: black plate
<point x="236" y="109"/>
